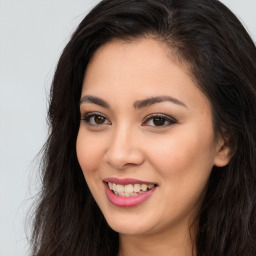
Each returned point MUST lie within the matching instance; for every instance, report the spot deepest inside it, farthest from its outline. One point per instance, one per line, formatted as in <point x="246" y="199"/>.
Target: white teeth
<point x="125" y="194"/>
<point x="136" y="187"/>
<point x="119" y="188"/>
<point x="129" y="189"/>
<point x="110" y="185"/>
<point x="144" y="187"/>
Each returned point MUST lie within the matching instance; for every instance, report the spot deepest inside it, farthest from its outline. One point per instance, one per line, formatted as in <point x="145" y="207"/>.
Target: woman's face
<point x="146" y="143"/>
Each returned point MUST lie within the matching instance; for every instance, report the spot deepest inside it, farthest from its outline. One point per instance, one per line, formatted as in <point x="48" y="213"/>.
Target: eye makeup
<point x="158" y="120"/>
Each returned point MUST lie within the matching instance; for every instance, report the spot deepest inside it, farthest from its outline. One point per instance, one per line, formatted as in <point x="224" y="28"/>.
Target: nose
<point x="124" y="149"/>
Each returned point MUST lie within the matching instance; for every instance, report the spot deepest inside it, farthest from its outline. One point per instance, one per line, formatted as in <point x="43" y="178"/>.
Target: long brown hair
<point x="222" y="58"/>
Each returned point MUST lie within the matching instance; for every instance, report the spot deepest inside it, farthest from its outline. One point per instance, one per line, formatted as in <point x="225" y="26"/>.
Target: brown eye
<point x="95" y="119"/>
<point x="99" y="119"/>
<point x="159" y="121"/>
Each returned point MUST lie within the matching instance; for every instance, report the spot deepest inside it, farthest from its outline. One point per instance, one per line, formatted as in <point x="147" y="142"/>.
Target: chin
<point x="130" y="224"/>
<point x="128" y="229"/>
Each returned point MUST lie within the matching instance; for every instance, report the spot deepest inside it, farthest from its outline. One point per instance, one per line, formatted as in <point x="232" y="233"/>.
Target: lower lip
<point x="122" y="201"/>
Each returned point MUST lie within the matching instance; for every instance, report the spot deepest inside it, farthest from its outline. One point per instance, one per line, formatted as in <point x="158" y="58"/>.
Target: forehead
<point x="141" y="57"/>
<point x="138" y="69"/>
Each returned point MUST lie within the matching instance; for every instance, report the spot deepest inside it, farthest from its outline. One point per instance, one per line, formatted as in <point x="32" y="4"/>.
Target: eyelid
<point x="171" y="121"/>
<point x="168" y="118"/>
<point x="86" y="116"/>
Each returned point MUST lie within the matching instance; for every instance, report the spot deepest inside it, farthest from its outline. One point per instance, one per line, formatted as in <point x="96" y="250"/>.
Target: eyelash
<point x="170" y="120"/>
<point x="90" y="115"/>
<point x="162" y="117"/>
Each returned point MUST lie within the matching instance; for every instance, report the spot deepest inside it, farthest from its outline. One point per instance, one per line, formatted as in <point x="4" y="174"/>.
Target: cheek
<point x="89" y="155"/>
<point x="182" y="154"/>
<point x="88" y="152"/>
<point x="184" y="163"/>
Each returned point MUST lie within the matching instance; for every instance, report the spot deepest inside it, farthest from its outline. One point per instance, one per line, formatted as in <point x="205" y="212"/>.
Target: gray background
<point x="32" y="36"/>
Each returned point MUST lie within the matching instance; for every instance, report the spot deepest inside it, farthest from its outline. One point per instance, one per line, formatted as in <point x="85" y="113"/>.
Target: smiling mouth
<point x="129" y="190"/>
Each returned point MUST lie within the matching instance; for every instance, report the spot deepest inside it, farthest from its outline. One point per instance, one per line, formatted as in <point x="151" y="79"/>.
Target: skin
<point x="178" y="156"/>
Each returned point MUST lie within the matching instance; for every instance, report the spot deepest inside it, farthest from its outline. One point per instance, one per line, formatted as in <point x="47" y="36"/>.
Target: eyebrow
<point x="95" y="100"/>
<point x="137" y="104"/>
<point x="150" y="101"/>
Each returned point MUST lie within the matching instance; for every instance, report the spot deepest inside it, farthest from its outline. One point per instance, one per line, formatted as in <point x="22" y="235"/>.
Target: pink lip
<point x="132" y="201"/>
<point x="126" y="181"/>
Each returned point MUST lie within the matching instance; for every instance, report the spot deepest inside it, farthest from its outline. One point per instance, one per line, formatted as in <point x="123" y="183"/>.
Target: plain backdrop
<point x="32" y="35"/>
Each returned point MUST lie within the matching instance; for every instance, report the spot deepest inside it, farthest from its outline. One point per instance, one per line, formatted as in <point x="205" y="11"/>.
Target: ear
<point x="223" y="152"/>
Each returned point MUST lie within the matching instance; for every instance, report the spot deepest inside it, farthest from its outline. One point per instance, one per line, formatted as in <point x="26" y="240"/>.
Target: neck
<point x="176" y="242"/>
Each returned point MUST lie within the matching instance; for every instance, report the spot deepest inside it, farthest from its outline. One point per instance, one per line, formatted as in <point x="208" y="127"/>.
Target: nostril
<point x="123" y="158"/>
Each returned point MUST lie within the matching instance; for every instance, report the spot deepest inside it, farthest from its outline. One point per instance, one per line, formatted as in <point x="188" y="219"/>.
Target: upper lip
<point x="127" y="181"/>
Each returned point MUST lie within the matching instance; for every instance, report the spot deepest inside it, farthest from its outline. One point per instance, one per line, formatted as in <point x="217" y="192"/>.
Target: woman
<point x="152" y="143"/>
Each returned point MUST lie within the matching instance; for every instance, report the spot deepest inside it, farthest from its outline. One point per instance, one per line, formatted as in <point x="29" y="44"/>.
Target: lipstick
<point x="126" y="181"/>
<point x="132" y="198"/>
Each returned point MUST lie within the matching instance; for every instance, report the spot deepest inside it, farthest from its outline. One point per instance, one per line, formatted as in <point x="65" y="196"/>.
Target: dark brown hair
<point x="222" y="58"/>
